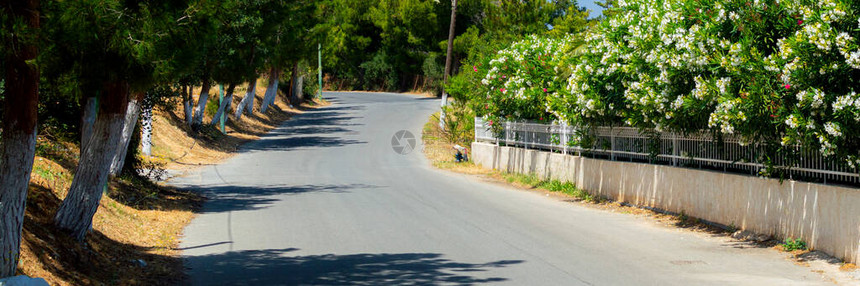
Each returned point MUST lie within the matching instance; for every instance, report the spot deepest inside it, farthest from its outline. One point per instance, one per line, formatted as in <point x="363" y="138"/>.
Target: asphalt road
<point x="325" y="199"/>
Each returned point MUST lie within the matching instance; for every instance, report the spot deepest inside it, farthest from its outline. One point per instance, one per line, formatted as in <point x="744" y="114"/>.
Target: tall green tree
<point x="111" y="48"/>
<point x="20" y="22"/>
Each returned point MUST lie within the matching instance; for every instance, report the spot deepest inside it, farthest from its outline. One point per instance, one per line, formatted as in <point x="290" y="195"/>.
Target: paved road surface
<point x="324" y="199"/>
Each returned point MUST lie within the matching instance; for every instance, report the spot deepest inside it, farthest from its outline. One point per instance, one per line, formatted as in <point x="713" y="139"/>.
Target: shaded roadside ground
<point x="325" y="199"/>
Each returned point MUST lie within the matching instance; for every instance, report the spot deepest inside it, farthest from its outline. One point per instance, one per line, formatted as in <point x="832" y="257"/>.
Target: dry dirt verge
<point x="439" y="152"/>
<point x="137" y="226"/>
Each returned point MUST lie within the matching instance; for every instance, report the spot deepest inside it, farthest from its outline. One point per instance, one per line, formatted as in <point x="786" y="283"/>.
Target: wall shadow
<point x="275" y="267"/>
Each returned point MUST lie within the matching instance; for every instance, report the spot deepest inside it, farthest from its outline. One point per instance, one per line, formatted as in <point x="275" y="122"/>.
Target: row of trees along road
<point x="90" y="68"/>
<point x="112" y="58"/>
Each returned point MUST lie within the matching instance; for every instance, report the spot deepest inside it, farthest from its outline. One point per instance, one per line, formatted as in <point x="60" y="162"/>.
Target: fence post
<point x="674" y="149"/>
<point x="612" y="144"/>
<point x="563" y="140"/>
<point x="525" y="135"/>
<point x="507" y="132"/>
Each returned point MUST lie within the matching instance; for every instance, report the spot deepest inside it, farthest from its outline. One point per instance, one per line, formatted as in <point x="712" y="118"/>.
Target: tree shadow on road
<point x="322" y="119"/>
<point x="309" y="130"/>
<point x="243" y="198"/>
<point x="274" y="267"/>
<point x="294" y="143"/>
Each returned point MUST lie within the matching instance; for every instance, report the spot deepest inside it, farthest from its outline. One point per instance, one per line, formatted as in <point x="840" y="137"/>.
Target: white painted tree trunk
<point x="78" y="208"/>
<point x="201" y="102"/>
<point x="253" y="96"/>
<point x="223" y="108"/>
<point x="16" y="162"/>
<point x="131" y="115"/>
<point x="146" y="129"/>
<point x="247" y="101"/>
<point x="271" y="93"/>
<point x="187" y="102"/>
<point x="87" y="120"/>
<point x="18" y="136"/>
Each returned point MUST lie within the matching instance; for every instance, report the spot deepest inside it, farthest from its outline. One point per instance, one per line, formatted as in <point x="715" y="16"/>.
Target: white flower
<point x="833" y="129"/>
<point x="723" y="84"/>
<point x="817" y="98"/>
<point x="827" y="148"/>
<point x="733" y="16"/>
<point x="791" y="121"/>
<point x="844" y="101"/>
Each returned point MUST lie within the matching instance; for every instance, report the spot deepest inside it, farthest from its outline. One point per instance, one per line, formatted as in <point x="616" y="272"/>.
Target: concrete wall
<point x="826" y="217"/>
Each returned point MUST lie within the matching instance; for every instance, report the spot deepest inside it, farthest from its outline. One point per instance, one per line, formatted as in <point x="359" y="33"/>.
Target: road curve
<point x="325" y="199"/>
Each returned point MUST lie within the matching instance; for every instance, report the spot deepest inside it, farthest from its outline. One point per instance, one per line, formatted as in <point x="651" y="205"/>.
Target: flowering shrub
<point x="518" y="80"/>
<point x="775" y="72"/>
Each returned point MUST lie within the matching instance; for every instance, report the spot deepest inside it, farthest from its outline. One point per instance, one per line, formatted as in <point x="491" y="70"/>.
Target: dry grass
<point x="138" y="222"/>
<point x="123" y="231"/>
<point x="173" y="146"/>
<point x="441" y="152"/>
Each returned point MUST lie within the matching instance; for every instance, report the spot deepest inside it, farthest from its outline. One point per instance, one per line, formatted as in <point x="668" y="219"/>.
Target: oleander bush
<point x="516" y="82"/>
<point x="779" y="74"/>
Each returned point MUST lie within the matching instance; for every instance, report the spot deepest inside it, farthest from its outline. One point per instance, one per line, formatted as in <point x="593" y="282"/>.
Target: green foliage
<point x="512" y="55"/>
<point x="567" y="188"/>
<point x="133" y="159"/>
<point x="529" y="180"/>
<point x="311" y="86"/>
<point x="379" y="73"/>
<point x="792" y="244"/>
<point x="779" y="75"/>
<point x="59" y="114"/>
<point x="412" y="34"/>
<point x="433" y="73"/>
<point x="520" y="78"/>
<point x="732" y="227"/>
<point x="683" y="217"/>
<point x="212" y="105"/>
<point x="459" y="123"/>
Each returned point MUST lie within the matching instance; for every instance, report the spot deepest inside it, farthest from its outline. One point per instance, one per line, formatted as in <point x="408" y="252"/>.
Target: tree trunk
<point x="78" y="208"/>
<point x="18" y="139"/>
<point x="271" y="90"/>
<point x="448" y="64"/>
<point x="187" y="103"/>
<point x="87" y="120"/>
<point x="247" y="102"/>
<point x="294" y="98"/>
<point x="146" y="127"/>
<point x="131" y="115"/>
<point x="297" y="90"/>
<point x="201" y="102"/>
<point x="253" y="92"/>
<point x="225" y="104"/>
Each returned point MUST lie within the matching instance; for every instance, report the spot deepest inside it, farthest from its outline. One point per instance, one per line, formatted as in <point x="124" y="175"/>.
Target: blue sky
<point x="589" y="4"/>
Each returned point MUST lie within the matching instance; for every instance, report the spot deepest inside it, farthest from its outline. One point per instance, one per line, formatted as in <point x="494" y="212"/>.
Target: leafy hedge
<point x="777" y="73"/>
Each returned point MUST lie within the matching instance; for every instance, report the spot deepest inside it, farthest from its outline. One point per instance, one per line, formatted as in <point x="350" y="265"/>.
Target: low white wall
<point x="826" y="217"/>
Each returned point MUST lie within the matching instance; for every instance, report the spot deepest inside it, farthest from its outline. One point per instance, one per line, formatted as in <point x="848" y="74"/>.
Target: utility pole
<point x="319" y="67"/>
<point x="448" y="64"/>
